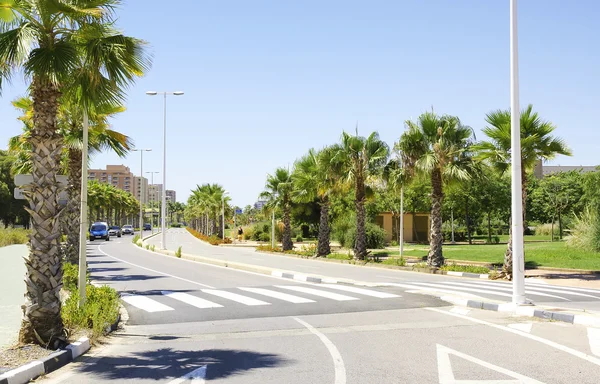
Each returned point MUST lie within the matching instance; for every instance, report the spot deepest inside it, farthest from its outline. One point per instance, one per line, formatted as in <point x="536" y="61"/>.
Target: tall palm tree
<point x="316" y="177"/>
<point x="438" y="147"/>
<point x="278" y="189"/>
<point x="62" y="46"/>
<point x="537" y="144"/>
<point x="361" y="159"/>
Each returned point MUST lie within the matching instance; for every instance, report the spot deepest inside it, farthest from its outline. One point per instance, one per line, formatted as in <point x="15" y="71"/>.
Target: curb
<point x="36" y="368"/>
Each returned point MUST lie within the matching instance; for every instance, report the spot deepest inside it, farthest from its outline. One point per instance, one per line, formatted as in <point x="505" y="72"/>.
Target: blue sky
<point x="265" y="80"/>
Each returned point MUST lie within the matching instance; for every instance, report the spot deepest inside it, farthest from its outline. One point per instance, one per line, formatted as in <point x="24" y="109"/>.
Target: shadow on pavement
<point x="153" y="292"/>
<point x="101" y="262"/>
<point x="168" y="363"/>
<point x="126" y="277"/>
<point x="102" y="269"/>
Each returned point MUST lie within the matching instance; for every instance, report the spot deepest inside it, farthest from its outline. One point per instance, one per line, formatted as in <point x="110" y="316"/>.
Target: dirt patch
<point x="14" y="357"/>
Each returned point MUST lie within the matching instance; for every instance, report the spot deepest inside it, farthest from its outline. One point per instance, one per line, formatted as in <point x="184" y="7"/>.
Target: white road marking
<point x="278" y="295"/>
<point x="461" y="288"/>
<point x="560" y="347"/>
<point x="362" y="291"/>
<point x="191" y="300"/>
<point x="594" y="339"/>
<point x="460" y="311"/>
<point x="523" y="327"/>
<point x="338" y="362"/>
<point x="235" y="297"/>
<point x="538" y="288"/>
<point x="386" y="277"/>
<point x="316" y="292"/>
<point x="417" y="289"/>
<point x="497" y="288"/>
<point x="197" y="376"/>
<point x="153" y="270"/>
<point x="568" y="289"/>
<point x="146" y="303"/>
<point x="446" y="374"/>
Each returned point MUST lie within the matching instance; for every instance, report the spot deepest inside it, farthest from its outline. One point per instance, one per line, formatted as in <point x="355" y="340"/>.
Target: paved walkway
<point x="12" y="287"/>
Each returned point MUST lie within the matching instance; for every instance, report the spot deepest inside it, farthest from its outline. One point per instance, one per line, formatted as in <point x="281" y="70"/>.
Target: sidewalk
<point x="12" y="286"/>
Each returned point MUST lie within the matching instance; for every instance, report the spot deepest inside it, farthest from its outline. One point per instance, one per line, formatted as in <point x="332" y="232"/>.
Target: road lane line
<point x="154" y="270"/>
<point x="338" y="362"/>
<point x="523" y="327"/>
<point x="235" y="297"/>
<point x="145" y="303"/>
<point x="278" y="295"/>
<point x="560" y="347"/>
<point x="316" y="292"/>
<point x="362" y="291"/>
<point x="594" y="339"/>
<point x="191" y="300"/>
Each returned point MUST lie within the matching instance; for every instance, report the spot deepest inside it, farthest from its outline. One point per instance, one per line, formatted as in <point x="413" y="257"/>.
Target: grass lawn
<point x="546" y="254"/>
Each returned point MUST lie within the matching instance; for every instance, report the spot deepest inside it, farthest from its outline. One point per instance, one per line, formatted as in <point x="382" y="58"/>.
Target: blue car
<point x="99" y="231"/>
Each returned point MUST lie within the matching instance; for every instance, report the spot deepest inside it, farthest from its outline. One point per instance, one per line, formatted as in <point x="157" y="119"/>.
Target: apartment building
<point x="172" y="195"/>
<point x="155" y="193"/>
<point x="120" y="176"/>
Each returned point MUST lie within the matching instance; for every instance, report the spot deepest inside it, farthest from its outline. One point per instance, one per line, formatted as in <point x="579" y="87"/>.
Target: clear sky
<point x="265" y="80"/>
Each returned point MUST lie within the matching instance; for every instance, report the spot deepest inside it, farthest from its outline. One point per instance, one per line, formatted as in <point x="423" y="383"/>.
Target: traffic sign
<point x="63" y="197"/>
<point x="19" y="194"/>
<point x="238" y="211"/>
<point x="21" y="180"/>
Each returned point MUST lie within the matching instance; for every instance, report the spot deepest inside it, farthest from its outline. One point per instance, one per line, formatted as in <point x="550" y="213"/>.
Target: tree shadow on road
<point x="168" y="363"/>
<point x="125" y="277"/>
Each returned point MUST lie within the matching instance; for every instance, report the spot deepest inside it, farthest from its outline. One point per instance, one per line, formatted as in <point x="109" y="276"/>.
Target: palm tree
<point x="205" y="208"/>
<point x="437" y="147"/>
<point x="62" y="47"/>
<point x="278" y="189"/>
<point x="315" y="177"/>
<point x="361" y="159"/>
<point x="537" y="144"/>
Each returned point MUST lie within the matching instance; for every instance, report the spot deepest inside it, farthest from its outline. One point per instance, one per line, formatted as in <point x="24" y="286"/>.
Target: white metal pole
<point x="223" y="216"/>
<point x="273" y="229"/>
<point x="83" y="225"/>
<point x="141" y="192"/>
<point x="452" y="219"/>
<point x="517" y="202"/>
<point x="164" y="187"/>
<point x="401" y="221"/>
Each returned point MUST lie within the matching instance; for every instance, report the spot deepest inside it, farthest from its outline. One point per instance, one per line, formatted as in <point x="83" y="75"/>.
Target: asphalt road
<point x="379" y="335"/>
<point x="536" y="291"/>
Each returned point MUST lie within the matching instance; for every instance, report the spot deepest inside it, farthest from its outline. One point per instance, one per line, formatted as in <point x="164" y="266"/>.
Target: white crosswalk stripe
<point x="362" y="291"/>
<point x="507" y="289"/>
<point x="549" y="288"/>
<point x="317" y="292"/>
<point x="278" y="295"/>
<point x="191" y="300"/>
<point x="235" y="297"/>
<point x="145" y="303"/>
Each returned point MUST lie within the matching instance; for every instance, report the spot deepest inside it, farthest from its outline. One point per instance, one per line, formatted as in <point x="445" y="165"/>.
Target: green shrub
<point x="257" y="234"/>
<point x="135" y="239"/>
<point x="268" y="248"/>
<point x="586" y="232"/>
<point x="176" y="225"/>
<point x="341" y="227"/>
<point x="374" y="233"/>
<point x="152" y="247"/>
<point x="546" y="229"/>
<point x="340" y="256"/>
<point x="299" y="239"/>
<point x="101" y="309"/>
<point x="147" y="246"/>
<point x="465" y="268"/>
<point x="70" y="276"/>
<point x="248" y="233"/>
<point x="178" y="252"/>
<point x="265" y="237"/>
<point x="399" y="261"/>
<point x="10" y="236"/>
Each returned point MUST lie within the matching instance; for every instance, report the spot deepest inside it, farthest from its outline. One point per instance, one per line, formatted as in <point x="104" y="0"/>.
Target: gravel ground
<point x="14" y="357"/>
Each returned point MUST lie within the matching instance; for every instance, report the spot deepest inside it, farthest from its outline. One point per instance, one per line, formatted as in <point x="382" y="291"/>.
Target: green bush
<point x="135" y="239"/>
<point x="10" y="236"/>
<point x="374" y="233"/>
<point x="265" y="237"/>
<point x="70" y="276"/>
<point x="546" y="229"/>
<point x="257" y="234"/>
<point x="101" y="309"/>
<point x="152" y="247"/>
<point x="586" y="232"/>
<point x="341" y="227"/>
<point x="178" y="252"/>
<point x="465" y="268"/>
<point x="248" y="233"/>
<point x="399" y="261"/>
<point x="176" y="225"/>
<point x="299" y="239"/>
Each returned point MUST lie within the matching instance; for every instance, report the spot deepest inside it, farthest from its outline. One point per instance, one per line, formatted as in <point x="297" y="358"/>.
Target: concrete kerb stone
<point x="36" y="368"/>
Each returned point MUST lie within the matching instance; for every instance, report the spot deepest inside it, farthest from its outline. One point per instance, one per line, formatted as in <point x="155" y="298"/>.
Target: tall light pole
<point x="223" y="213"/>
<point x="141" y="151"/>
<point x="518" y="272"/>
<point x="153" y="194"/>
<point x="163" y="242"/>
<point x="83" y="225"/>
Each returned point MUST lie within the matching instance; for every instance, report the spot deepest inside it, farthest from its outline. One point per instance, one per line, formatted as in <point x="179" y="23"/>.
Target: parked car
<point x="128" y="229"/>
<point x="115" y="230"/>
<point x="147" y="227"/>
<point x="99" y="230"/>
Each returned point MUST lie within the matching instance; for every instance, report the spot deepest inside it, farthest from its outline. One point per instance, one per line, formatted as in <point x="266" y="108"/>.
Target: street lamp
<point x="153" y="194"/>
<point x="223" y="213"/>
<point x="141" y="151"/>
<point x="163" y="243"/>
<point x="518" y="272"/>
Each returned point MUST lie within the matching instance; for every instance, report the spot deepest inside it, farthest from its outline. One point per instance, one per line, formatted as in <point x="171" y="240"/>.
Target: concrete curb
<point x="36" y="368"/>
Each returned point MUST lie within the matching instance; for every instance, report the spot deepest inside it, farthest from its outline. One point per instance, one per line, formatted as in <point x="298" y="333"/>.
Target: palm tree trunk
<point x="435" y="258"/>
<point x="71" y="249"/>
<point x="286" y="239"/>
<point x="323" y="248"/>
<point x="360" y="246"/>
<point x="42" y="322"/>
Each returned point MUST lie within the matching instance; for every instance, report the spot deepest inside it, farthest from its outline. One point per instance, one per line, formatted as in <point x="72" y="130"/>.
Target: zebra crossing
<point x="207" y="299"/>
<point x="534" y="290"/>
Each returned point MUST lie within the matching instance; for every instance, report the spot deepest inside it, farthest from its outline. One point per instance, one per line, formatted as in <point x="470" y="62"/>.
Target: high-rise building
<point x="120" y="176"/>
<point x="172" y="195"/>
<point x="155" y="193"/>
